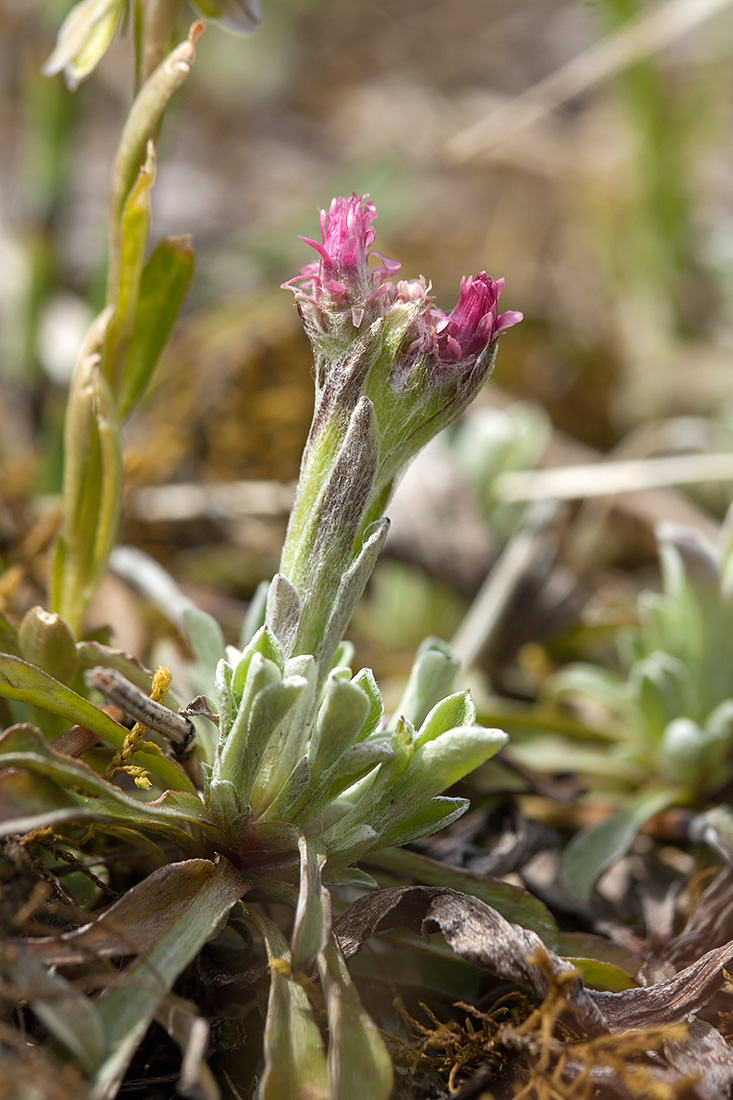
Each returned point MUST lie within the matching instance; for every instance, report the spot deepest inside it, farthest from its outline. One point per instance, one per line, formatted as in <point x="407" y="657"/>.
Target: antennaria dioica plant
<point x="297" y="772"/>
<point x="669" y="705"/>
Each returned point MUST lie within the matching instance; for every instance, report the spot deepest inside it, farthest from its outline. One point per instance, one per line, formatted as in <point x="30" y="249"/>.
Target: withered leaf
<point x="669" y="1001"/>
<point x="476" y="932"/>
<point x="135" y="923"/>
<point x="199" y="708"/>
<point x="706" y="1055"/>
<point x="191" y="1032"/>
<point x="481" y="936"/>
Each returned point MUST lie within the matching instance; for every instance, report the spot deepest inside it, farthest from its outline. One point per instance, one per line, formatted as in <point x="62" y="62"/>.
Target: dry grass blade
<point x="225" y="501"/>
<point x="640" y="37"/>
<point x="610" y="478"/>
<point x="530" y="542"/>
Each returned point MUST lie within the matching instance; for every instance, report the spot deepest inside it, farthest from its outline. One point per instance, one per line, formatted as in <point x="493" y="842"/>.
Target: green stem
<point x="144" y="116"/>
<point x="158" y="22"/>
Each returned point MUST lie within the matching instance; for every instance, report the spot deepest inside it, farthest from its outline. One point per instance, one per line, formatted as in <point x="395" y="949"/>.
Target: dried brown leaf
<point x="481" y="936"/>
<point x="135" y="923"/>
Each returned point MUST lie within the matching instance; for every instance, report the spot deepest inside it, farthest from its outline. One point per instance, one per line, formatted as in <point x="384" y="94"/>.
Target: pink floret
<point x="341" y="283"/>
<point x="343" y="269"/>
<point x="473" y="323"/>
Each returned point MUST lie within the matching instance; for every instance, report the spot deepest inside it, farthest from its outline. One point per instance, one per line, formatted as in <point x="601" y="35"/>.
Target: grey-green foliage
<point x="672" y="700"/>
<point x="290" y="751"/>
<point x="301" y="742"/>
<point x="674" y="691"/>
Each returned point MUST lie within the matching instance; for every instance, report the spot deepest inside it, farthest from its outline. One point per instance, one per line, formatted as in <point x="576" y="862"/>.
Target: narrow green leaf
<point x="431" y="679"/>
<point x="47" y="642"/>
<point x="283" y="753"/>
<point x="349" y="876"/>
<point x="366" y="681"/>
<point x="127" y="1010"/>
<point x="602" y="975"/>
<point x="142" y="120"/>
<point x="164" y="284"/>
<point x="281" y="807"/>
<point x="108" y="513"/>
<point x="347" y="844"/>
<point x="124" y="281"/>
<point x="373" y="793"/>
<point x="19" y="680"/>
<point x="342" y="714"/>
<point x="92" y="481"/>
<point x="587" y="945"/>
<point x="351" y="587"/>
<point x="242" y="757"/>
<point x="600" y="684"/>
<point x="355" y="763"/>
<point x="343" y="657"/>
<point x="225" y="703"/>
<point x="358" y="1061"/>
<point x="434" y="767"/>
<point x="93" y="654"/>
<point x="261" y="673"/>
<point x="266" y="644"/>
<point x="69" y="789"/>
<point x="664" y="690"/>
<point x="312" y="924"/>
<point x="450" y="713"/>
<point x="592" y="851"/>
<point x="8" y="638"/>
<point x="603" y="964"/>
<point x="222" y="799"/>
<point x="295" y="1063"/>
<point x="282" y="610"/>
<point x="131" y="926"/>
<point x="206" y="639"/>
<point x="434" y="815"/>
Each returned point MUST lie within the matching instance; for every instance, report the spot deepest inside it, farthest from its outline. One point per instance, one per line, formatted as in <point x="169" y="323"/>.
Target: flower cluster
<point x="342" y="294"/>
<point x="475" y="321"/>
<point x="391" y="370"/>
<point x="342" y="281"/>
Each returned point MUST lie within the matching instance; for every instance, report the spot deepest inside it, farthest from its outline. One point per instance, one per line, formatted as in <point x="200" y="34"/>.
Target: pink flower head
<point x="342" y="279"/>
<point x="356" y="317"/>
<point x="473" y="324"/>
<point x="449" y="349"/>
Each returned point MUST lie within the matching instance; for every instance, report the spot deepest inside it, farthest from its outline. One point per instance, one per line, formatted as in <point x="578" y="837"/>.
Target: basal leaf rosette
<point x="326" y="763"/>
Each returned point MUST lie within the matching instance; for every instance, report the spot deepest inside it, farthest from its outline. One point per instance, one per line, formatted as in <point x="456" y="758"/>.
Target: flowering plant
<point x="297" y="773"/>
<point x="317" y="755"/>
<point x="391" y="370"/>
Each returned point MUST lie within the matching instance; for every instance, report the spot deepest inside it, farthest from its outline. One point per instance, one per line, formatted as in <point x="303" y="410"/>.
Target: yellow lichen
<point x="120" y="762"/>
